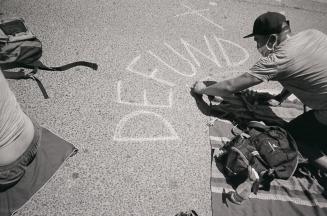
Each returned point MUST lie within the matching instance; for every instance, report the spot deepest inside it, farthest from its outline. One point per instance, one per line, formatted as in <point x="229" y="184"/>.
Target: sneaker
<point x="322" y="180"/>
<point x="188" y="213"/>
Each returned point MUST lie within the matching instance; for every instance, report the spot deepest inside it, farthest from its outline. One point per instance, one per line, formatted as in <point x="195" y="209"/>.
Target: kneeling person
<point x="299" y="63"/>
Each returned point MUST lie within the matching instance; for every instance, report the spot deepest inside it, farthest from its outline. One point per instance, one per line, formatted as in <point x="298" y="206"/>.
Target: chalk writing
<point x="172" y="68"/>
<point x="193" y="68"/>
<point x="197" y="12"/>
<point x="213" y="57"/>
<point x="192" y="12"/>
<point x="131" y="68"/>
<point x="192" y="59"/>
<point x="145" y="103"/>
<point x="122" y="123"/>
<point x="192" y="50"/>
<point x="213" y="3"/>
<point x="228" y="61"/>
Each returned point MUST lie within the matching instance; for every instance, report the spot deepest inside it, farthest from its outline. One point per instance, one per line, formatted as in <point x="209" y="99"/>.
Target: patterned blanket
<point x="293" y="197"/>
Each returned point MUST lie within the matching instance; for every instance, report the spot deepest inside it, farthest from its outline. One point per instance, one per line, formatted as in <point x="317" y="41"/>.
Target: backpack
<point x="257" y="156"/>
<point x="20" y="48"/>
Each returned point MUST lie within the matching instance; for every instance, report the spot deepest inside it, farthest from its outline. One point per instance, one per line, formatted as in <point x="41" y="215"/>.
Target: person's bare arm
<point x="230" y="86"/>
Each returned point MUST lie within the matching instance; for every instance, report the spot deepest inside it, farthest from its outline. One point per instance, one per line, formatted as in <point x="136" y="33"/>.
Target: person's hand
<point x="198" y="87"/>
<point x="268" y="99"/>
<point x="261" y="98"/>
<point x="273" y="102"/>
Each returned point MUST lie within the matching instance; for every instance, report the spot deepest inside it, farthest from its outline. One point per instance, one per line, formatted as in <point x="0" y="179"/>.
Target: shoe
<point x="188" y="213"/>
<point x="322" y="180"/>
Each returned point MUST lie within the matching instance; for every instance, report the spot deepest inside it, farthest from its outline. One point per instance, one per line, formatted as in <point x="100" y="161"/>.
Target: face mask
<point x="265" y="50"/>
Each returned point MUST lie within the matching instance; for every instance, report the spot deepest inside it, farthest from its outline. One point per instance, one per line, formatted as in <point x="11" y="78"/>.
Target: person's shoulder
<point x="310" y="33"/>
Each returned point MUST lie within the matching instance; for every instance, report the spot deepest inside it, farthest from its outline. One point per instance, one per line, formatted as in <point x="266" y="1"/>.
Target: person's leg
<point x="321" y="163"/>
<point x="12" y="173"/>
<point x="310" y="137"/>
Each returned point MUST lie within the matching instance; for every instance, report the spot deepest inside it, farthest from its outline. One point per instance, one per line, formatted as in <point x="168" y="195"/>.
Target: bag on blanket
<point x="260" y="155"/>
<point x="20" y="48"/>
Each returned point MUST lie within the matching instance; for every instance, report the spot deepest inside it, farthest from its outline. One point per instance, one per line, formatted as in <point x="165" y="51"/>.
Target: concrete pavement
<point x="144" y="147"/>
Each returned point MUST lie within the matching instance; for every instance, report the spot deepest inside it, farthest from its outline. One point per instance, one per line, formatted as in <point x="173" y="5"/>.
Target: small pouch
<point x="14" y="29"/>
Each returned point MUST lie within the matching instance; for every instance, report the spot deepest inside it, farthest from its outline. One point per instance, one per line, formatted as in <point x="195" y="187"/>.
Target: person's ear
<point x="272" y="41"/>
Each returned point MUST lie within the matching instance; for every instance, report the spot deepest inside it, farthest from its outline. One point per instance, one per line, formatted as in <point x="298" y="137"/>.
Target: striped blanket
<point x="293" y="197"/>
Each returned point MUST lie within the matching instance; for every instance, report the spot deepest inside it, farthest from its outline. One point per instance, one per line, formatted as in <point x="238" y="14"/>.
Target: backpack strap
<point x="21" y="75"/>
<point x="257" y="125"/>
<point x="245" y="160"/>
<point x="41" y="66"/>
<point x="235" y="131"/>
<point x="258" y="156"/>
<point x="39" y="83"/>
<point x="14" y="75"/>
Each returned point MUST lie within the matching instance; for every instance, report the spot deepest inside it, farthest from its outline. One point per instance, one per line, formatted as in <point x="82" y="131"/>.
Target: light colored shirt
<point x="300" y="64"/>
<point x="11" y="114"/>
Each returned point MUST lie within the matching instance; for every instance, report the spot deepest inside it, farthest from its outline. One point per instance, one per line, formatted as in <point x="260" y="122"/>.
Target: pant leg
<point x="309" y="134"/>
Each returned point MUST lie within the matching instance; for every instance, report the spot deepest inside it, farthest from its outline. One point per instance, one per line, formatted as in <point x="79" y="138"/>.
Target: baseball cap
<point x="268" y="23"/>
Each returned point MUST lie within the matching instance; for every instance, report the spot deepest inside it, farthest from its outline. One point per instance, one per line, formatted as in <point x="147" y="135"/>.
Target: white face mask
<point x="265" y="50"/>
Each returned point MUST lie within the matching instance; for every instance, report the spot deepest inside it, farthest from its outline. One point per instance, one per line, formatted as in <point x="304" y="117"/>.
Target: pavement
<point x="143" y="143"/>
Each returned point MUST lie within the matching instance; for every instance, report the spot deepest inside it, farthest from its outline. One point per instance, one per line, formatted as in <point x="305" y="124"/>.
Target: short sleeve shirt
<point x="300" y="64"/>
<point x="11" y="114"/>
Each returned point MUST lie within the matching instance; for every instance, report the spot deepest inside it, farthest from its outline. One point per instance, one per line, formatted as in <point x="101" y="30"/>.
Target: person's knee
<point x="321" y="162"/>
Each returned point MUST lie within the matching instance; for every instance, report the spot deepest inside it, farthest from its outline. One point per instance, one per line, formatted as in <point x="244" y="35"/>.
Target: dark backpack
<point x="20" y="48"/>
<point x="269" y="151"/>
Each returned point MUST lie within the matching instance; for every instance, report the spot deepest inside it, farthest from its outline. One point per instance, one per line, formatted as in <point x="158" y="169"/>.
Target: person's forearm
<point x="283" y="95"/>
<point x="231" y="86"/>
<point x="218" y="89"/>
